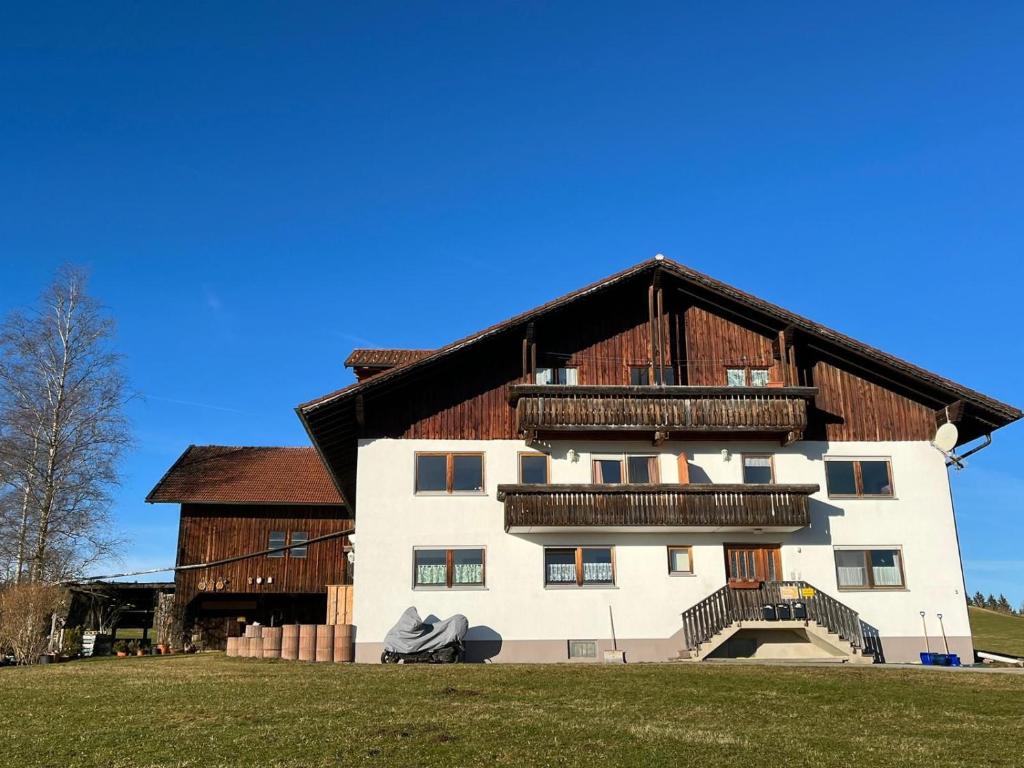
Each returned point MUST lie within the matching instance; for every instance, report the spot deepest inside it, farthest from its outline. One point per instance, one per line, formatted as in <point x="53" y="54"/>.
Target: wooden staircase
<point x="723" y="613"/>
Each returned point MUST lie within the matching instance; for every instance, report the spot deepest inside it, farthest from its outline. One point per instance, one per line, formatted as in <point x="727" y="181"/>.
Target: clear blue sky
<point x="260" y="187"/>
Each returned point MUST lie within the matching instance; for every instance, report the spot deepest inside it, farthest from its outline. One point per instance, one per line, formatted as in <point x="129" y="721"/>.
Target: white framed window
<point x="758" y="469"/>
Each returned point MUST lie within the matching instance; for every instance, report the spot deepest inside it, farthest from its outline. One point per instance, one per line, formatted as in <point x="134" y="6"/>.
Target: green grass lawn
<point x="209" y="710"/>
<point x="997" y="632"/>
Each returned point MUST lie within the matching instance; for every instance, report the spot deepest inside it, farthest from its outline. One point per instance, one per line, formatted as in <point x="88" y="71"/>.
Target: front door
<point x="747" y="565"/>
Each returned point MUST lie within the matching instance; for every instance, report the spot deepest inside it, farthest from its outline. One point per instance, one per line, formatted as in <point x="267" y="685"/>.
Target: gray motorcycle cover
<point x="411" y="635"/>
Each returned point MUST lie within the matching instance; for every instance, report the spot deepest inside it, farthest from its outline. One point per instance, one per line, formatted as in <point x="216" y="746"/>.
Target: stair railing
<point x="727" y="605"/>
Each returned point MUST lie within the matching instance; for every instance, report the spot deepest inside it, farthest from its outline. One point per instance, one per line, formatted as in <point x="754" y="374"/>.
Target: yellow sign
<point x="789" y="593"/>
<point x="807" y="592"/>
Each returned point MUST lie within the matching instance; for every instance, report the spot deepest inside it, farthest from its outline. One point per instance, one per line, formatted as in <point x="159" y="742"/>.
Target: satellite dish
<point x="946" y="437"/>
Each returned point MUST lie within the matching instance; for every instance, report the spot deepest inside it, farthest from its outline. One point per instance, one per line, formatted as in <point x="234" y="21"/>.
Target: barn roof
<point x="223" y="474"/>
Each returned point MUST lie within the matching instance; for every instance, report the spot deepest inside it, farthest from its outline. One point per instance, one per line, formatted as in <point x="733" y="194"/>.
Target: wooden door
<point x="747" y="565"/>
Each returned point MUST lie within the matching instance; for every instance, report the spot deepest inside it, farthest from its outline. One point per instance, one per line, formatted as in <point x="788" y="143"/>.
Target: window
<point x="533" y="468"/>
<point x="277" y="539"/>
<point x="578" y="565"/>
<point x="608" y="471"/>
<point x="858" y="477"/>
<point x="565" y="376"/>
<point x="299" y="537"/>
<point x="642" y="469"/>
<point x="583" y="649"/>
<point x="448" y="568"/>
<point x="680" y="560"/>
<point x="758" y="470"/>
<point x="449" y="472"/>
<point x="640" y="375"/>
<point x="746" y="377"/>
<point x="869" y="568"/>
<point x="631" y="469"/>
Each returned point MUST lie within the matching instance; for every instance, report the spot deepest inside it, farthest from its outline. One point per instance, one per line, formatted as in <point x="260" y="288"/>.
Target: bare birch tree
<point x="62" y="431"/>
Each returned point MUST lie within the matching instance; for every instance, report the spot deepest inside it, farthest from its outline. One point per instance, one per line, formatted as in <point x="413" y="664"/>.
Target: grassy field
<point x="210" y="710"/>
<point x="997" y="632"/>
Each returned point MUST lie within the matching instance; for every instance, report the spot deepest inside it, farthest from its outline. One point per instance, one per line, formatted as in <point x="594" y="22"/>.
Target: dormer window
<point x="564" y="376"/>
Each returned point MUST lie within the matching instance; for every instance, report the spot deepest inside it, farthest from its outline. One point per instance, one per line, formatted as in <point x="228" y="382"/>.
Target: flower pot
<point x="122" y="654"/>
<point x="140" y="652"/>
<point x="161" y="648"/>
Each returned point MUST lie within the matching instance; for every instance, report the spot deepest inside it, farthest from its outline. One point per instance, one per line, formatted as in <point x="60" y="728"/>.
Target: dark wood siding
<point x="215" y="531"/>
<point x="852" y="408"/>
<point x="714" y="344"/>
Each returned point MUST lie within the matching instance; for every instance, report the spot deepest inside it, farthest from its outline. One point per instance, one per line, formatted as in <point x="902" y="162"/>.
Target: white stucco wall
<point x="646" y="602"/>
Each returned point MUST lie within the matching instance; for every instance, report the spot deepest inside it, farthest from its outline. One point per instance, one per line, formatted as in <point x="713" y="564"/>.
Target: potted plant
<point x="121" y="648"/>
<point x="135" y="648"/>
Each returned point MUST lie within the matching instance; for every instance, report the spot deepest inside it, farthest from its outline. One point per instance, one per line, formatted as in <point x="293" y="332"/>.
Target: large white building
<point x="657" y="464"/>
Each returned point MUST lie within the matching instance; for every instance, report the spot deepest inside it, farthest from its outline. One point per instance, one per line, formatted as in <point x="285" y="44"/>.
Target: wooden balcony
<point x="665" y="412"/>
<point x="695" y="507"/>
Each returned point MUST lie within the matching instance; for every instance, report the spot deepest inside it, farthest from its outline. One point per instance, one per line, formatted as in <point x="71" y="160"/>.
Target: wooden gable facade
<point x="662" y="317"/>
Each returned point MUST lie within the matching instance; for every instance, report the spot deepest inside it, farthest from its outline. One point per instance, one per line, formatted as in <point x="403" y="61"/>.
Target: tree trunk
<point x="23" y="524"/>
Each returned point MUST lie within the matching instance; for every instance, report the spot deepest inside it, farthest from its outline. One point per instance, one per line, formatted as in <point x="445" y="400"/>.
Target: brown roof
<point x="207" y="474"/>
<point x="999" y="411"/>
<point x="384" y="358"/>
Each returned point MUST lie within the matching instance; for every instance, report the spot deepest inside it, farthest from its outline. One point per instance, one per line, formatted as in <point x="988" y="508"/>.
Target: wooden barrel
<point x="290" y="641"/>
<point x="272" y="642"/>
<point x="232" y="647"/>
<point x="255" y="647"/>
<point x="325" y="643"/>
<point x="307" y="642"/>
<point x="343" y="647"/>
<point x="243" y="646"/>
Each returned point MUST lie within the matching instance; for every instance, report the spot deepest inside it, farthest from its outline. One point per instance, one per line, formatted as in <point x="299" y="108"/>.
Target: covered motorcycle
<point x="412" y="641"/>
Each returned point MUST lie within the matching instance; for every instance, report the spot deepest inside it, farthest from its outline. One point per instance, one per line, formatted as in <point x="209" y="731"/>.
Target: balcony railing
<point x="663" y="410"/>
<point x="697" y="506"/>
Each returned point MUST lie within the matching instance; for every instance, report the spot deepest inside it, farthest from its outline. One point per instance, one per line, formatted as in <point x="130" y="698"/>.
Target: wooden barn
<point x="240" y="500"/>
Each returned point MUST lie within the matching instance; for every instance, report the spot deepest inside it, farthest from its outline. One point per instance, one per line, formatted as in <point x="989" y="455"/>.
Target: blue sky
<point x="259" y="188"/>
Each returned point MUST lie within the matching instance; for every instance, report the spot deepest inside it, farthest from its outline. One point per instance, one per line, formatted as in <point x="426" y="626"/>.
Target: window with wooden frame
<point x="579" y="566"/>
<point x="455" y="473"/>
<point x="614" y="470"/>
<point x="534" y="468"/>
<point x="277" y="539"/>
<point x="873" y="568"/>
<point x="746" y="376"/>
<point x="680" y="560"/>
<point x="758" y="468"/>
<point x="858" y="478"/>
<point x="448" y="568"/>
<point x="640" y="375"/>
<point x="566" y="376"/>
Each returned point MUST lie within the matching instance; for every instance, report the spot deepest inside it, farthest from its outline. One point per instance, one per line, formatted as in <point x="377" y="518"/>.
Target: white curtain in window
<point x="759" y="377"/>
<point x="558" y="572"/>
<point x="469" y="573"/>
<point x="850" y="570"/>
<point x="885" y="570"/>
<point x="597" y="571"/>
<point x="736" y="377"/>
<point x="571" y="377"/>
<point x="543" y="376"/>
<point x="431" y="574"/>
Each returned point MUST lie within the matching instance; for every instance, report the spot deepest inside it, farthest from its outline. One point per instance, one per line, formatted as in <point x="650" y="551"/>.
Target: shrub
<point x="71" y="642"/>
<point x="25" y="613"/>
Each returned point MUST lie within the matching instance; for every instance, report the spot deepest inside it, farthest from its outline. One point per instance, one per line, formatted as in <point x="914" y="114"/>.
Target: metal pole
<point x="943" y="628"/>
<point x="927" y="645"/>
